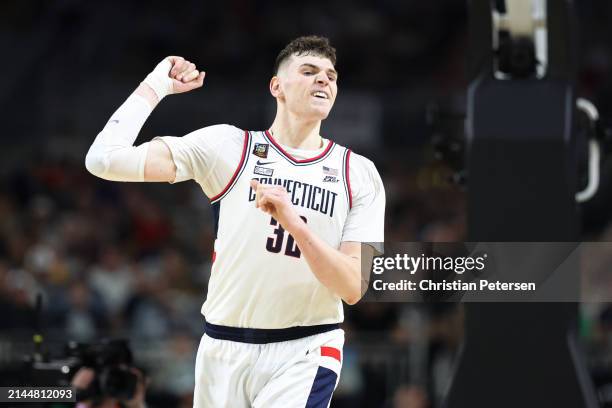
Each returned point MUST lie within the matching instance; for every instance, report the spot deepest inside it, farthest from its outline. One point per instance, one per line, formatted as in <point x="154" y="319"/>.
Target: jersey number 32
<point x="275" y="243"/>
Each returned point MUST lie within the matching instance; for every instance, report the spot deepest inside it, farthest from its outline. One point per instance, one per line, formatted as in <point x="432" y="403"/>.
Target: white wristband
<point x="159" y="79"/>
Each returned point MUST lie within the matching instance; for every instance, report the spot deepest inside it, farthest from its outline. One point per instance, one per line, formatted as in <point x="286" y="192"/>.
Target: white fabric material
<point x="159" y="79"/>
<point x="366" y="219"/>
<point x="211" y="154"/>
<point x="259" y="278"/>
<point x="112" y="155"/>
<point x="208" y="155"/>
<point x="233" y="374"/>
<point x="249" y="284"/>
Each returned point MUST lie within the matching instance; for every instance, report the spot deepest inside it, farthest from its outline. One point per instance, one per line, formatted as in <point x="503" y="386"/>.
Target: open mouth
<point x="320" y="94"/>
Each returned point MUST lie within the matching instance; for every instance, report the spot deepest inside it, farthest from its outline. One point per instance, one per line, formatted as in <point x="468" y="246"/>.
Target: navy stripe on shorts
<point x="322" y="388"/>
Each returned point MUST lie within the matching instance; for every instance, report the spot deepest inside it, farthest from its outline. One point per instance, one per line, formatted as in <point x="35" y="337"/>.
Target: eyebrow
<point x="330" y="70"/>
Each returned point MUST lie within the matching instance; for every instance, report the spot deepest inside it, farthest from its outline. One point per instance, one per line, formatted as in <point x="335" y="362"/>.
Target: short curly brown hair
<point x="306" y="45"/>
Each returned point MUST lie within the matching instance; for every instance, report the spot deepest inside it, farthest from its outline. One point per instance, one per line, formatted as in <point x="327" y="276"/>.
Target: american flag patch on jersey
<point x="328" y="171"/>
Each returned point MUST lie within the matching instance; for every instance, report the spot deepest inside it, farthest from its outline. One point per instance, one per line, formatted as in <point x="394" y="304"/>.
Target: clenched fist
<point x="185" y="75"/>
<point x="274" y="200"/>
<point x="174" y="75"/>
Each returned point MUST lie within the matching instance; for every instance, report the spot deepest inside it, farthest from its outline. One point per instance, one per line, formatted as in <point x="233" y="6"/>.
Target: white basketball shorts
<point x="296" y="373"/>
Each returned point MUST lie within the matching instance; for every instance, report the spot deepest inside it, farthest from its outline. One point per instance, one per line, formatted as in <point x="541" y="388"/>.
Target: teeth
<point x="320" y="94"/>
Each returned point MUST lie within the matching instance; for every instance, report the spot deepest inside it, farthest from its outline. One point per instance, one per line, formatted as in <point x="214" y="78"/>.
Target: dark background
<point x="115" y="259"/>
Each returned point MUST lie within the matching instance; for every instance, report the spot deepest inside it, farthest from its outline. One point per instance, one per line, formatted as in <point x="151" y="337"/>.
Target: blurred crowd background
<point x="128" y="260"/>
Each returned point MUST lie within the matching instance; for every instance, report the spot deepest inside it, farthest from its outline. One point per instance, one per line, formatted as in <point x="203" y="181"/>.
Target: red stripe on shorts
<point x="330" y="352"/>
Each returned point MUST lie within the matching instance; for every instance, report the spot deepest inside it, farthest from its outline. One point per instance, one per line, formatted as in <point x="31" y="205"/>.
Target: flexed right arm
<point x="113" y="156"/>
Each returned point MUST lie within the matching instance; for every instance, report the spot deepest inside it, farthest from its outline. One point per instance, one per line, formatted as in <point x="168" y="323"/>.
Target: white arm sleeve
<point x="366" y="219"/>
<point x="209" y="156"/>
<point x="112" y="155"/>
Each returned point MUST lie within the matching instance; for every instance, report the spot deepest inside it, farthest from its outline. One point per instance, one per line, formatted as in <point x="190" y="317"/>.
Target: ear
<point x="275" y="87"/>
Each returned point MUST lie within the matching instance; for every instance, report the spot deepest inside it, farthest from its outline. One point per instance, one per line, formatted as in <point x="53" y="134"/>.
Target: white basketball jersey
<point x="259" y="277"/>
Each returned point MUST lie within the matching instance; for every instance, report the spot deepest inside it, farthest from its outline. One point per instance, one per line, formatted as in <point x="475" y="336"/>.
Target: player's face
<point x="308" y="86"/>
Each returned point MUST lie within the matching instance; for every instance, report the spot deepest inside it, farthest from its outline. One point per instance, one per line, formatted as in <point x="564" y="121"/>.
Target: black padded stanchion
<point x="521" y="183"/>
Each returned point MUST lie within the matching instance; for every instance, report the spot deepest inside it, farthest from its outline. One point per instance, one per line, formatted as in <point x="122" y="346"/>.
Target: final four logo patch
<point x="261" y="150"/>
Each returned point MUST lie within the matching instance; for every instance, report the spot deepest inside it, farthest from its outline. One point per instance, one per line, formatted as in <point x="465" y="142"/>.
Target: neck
<point x="291" y="131"/>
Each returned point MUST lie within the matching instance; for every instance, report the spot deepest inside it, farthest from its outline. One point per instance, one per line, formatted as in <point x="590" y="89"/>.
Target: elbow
<point x="355" y="290"/>
<point x="95" y="163"/>
<point x="352" y="298"/>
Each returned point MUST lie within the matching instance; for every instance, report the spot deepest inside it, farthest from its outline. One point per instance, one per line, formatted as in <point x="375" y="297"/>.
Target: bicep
<point x="159" y="165"/>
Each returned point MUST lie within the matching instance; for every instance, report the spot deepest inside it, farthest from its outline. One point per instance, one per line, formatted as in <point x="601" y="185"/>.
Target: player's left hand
<point x="274" y="200"/>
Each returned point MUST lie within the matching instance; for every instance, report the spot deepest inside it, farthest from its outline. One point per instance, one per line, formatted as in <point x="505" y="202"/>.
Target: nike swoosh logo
<point x="260" y="163"/>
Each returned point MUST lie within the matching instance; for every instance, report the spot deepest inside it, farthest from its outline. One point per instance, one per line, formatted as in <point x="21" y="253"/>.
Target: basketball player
<point x="292" y="210"/>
